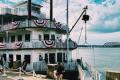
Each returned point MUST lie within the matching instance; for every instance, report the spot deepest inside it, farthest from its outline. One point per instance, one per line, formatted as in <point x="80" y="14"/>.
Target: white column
<point x="22" y="56"/>
<point x="62" y="56"/>
<point x="14" y="57"/>
<point x="69" y="56"/>
<point x="48" y="58"/>
<point x="66" y="56"/>
<point x="7" y="57"/>
<point x="56" y="57"/>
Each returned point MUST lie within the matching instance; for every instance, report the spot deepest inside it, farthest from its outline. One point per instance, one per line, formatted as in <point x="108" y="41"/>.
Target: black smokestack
<point x="51" y="10"/>
<point x="29" y="9"/>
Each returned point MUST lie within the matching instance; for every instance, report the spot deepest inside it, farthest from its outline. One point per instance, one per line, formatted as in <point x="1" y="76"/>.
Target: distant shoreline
<point x="101" y="46"/>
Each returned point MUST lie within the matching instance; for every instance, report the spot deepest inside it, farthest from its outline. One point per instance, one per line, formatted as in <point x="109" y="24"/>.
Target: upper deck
<point x="17" y="18"/>
<point x="15" y="26"/>
<point x="35" y="23"/>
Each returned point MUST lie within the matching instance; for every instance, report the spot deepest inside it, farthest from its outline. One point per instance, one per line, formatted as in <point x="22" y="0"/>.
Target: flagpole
<point x="67" y="21"/>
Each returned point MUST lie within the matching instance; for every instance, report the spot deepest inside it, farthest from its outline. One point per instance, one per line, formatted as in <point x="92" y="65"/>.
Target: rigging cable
<point x="80" y="35"/>
<point x="79" y="41"/>
<point x="85" y="19"/>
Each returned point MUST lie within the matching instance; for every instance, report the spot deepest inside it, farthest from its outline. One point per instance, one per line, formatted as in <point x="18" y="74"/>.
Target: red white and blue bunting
<point x="49" y="43"/>
<point x="40" y="22"/>
<point x="58" y="25"/>
<point x="15" y="24"/>
<point x="17" y="45"/>
<point x="2" y="45"/>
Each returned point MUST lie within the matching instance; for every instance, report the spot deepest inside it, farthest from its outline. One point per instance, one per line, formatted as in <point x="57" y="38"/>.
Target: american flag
<point x="15" y="24"/>
<point x="40" y="22"/>
<point x="2" y="45"/>
<point x="48" y="43"/>
<point x="17" y="45"/>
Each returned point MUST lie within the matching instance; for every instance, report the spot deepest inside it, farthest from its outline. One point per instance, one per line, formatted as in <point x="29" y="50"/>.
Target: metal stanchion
<point x="20" y="77"/>
<point x="34" y="73"/>
<point x="4" y="71"/>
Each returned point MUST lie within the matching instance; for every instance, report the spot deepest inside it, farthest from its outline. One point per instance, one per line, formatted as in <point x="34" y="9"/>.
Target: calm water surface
<point x="101" y="58"/>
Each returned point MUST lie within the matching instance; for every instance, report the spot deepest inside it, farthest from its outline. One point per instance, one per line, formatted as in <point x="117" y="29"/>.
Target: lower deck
<point x="33" y="57"/>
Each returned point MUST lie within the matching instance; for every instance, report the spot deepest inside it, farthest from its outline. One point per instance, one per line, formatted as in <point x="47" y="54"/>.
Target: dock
<point x="28" y="76"/>
<point x="12" y="75"/>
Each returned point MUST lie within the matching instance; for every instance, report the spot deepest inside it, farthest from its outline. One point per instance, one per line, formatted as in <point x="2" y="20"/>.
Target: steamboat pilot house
<point x="35" y="42"/>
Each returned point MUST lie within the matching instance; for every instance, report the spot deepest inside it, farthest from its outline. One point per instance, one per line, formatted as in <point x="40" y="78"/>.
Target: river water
<point x="100" y="58"/>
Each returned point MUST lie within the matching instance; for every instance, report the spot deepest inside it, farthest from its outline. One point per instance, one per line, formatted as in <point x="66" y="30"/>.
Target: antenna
<point x="85" y="18"/>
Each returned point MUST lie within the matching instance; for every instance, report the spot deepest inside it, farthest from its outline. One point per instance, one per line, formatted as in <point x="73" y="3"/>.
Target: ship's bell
<point x="85" y="17"/>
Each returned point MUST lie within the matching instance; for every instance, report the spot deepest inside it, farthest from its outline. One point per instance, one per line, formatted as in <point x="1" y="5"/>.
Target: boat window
<point x="27" y="58"/>
<point x="36" y="9"/>
<point x="7" y="39"/>
<point x="64" y="57"/>
<point x="46" y="58"/>
<point x="40" y="38"/>
<point x="52" y="37"/>
<point x="27" y="37"/>
<point x="18" y="57"/>
<point x="19" y="37"/>
<point x="8" y="10"/>
<point x="10" y="60"/>
<point x="59" y="57"/>
<point x="40" y="58"/>
<point x="12" y="38"/>
<point x="1" y="39"/>
<point x="46" y="36"/>
<point x="11" y="57"/>
<point x="4" y="56"/>
<point x="52" y="58"/>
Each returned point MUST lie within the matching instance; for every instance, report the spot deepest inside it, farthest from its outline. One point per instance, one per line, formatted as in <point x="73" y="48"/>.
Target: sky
<point x="104" y="23"/>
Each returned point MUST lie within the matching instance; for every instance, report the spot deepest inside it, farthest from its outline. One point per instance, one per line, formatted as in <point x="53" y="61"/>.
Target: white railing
<point x="34" y="44"/>
<point x="40" y="66"/>
<point x="70" y="66"/>
<point x="93" y="73"/>
<point x="81" y="72"/>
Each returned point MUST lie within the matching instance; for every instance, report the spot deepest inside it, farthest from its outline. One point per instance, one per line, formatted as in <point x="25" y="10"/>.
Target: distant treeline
<point x="99" y="46"/>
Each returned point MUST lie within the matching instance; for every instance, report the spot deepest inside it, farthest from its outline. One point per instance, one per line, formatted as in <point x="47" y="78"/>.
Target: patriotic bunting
<point x="58" y="25"/>
<point x="15" y="24"/>
<point x="2" y="45"/>
<point x="40" y="22"/>
<point x="49" y="43"/>
<point x="17" y="45"/>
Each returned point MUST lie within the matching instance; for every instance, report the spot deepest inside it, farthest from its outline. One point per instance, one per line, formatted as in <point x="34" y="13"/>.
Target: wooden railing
<point x="37" y="44"/>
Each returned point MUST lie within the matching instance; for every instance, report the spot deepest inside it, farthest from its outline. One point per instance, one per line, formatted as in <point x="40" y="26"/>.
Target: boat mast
<point x="51" y="10"/>
<point x="51" y="16"/>
<point x="67" y="22"/>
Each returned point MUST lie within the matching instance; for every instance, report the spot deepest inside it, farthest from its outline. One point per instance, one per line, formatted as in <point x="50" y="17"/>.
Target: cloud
<point x="12" y="2"/>
<point x="104" y="14"/>
<point x="15" y="1"/>
<point x="105" y="19"/>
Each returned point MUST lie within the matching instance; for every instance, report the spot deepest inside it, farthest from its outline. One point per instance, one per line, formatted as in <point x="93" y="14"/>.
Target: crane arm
<point x="78" y="19"/>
